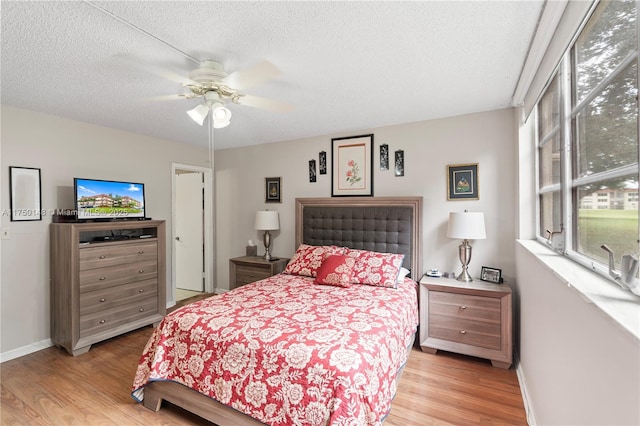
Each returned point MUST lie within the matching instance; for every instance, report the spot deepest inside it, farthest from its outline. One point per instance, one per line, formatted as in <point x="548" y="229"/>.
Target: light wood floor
<point x="50" y="387"/>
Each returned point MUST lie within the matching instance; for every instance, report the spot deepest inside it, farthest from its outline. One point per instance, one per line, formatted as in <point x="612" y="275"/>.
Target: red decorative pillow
<point x="377" y="269"/>
<point x="336" y="270"/>
<point x="307" y="259"/>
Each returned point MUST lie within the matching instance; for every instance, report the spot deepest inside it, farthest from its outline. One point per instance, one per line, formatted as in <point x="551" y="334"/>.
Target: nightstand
<point x="247" y="269"/>
<point x="469" y="318"/>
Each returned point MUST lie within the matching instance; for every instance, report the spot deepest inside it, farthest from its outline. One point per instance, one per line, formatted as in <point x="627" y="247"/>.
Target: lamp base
<point x="266" y="239"/>
<point x="464" y="276"/>
<point x="464" y="252"/>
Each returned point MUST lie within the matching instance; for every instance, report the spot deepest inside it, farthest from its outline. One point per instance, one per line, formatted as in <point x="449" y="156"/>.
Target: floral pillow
<point x="307" y="259"/>
<point x="336" y="270"/>
<point x="376" y="269"/>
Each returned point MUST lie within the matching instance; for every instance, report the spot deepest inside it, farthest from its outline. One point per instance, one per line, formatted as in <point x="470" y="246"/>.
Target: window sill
<point x="621" y="305"/>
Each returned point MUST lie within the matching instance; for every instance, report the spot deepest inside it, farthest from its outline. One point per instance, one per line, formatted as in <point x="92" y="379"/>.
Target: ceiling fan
<point x="217" y="88"/>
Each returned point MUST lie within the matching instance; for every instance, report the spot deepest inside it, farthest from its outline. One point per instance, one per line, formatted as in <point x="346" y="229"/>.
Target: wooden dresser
<point x="247" y="269"/>
<point x="469" y="318"/>
<point x="107" y="278"/>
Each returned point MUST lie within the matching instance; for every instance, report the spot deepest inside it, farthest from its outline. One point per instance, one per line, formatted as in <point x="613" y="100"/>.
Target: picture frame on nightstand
<point x="492" y="275"/>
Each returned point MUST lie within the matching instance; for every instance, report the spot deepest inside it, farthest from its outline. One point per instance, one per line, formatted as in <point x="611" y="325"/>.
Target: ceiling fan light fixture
<point x="199" y="113"/>
<point x="221" y="115"/>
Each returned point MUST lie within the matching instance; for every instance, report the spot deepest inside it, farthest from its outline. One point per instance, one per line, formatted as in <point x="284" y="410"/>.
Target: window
<point x="588" y="140"/>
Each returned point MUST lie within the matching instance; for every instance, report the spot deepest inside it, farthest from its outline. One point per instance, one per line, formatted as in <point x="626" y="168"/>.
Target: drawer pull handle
<point x="102" y="278"/>
<point x="102" y="256"/>
<point x="463" y="331"/>
<point x="141" y="271"/>
<point x="463" y="307"/>
<point x="141" y="290"/>
<point x="141" y="310"/>
<point x="103" y="321"/>
<point x="103" y="299"/>
<point x="141" y="252"/>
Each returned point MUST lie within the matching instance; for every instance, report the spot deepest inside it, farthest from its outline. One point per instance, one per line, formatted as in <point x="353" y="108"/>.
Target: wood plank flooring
<point x="50" y="387"/>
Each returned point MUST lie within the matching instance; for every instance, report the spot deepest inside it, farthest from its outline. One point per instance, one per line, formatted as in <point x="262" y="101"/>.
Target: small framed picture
<point x="272" y="190"/>
<point x="492" y="275"/>
<point x="312" y="170"/>
<point x="384" y="157"/>
<point x="399" y="157"/>
<point x="462" y="182"/>
<point x="323" y="162"/>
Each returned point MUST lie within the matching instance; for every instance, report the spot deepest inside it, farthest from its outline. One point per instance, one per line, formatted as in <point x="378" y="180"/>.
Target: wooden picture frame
<point x="273" y="190"/>
<point x="492" y="275"/>
<point x="25" y="201"/>
<point x="462" y="182"/>
<point x="352" y="166"/>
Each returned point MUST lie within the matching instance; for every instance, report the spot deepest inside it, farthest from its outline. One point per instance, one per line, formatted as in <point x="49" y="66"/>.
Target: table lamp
<point x="466" y="226"/>
<point x="266" y="221"/>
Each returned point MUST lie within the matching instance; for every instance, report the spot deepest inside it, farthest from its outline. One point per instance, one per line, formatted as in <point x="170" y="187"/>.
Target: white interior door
<point x="189" y="226"/>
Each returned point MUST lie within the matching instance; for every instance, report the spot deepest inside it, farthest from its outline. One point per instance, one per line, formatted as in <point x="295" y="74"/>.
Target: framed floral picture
<point x="352" y="166"/>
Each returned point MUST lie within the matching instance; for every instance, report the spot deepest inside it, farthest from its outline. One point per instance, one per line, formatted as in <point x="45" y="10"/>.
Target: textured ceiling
<point x="345" y="66"/>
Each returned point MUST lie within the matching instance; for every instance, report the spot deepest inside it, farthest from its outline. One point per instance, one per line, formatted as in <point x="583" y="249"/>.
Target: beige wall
<point x="489" y="139"/>
<point x="64" y="149"/>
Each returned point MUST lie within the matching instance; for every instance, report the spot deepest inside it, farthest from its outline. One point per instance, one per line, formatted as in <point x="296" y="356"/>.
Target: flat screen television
<point x="108" y="200"/>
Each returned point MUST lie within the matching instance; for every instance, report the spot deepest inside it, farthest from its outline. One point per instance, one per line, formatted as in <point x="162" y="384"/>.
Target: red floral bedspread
<point x="286" y="351"/>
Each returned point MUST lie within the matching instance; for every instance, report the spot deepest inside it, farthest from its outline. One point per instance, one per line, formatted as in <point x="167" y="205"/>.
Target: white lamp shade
<point x="267" y="220"/>
<point x="466" y="226"/>
<point x="199" y="113"/>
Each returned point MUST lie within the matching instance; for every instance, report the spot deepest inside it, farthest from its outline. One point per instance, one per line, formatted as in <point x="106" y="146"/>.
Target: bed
<point x="286" y="350"/>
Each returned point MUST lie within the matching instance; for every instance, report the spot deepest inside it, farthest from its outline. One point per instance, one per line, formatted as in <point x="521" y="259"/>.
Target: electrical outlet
<point x="6" y="233"/>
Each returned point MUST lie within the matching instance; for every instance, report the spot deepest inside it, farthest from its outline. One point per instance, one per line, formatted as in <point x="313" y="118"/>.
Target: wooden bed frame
<point x="222" y="415"/>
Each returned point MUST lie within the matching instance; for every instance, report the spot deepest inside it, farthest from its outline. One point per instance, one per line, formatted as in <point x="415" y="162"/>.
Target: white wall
<point x="578" y="366"/>
<point x="64" y="149"/>
<point x="488" y="139"/>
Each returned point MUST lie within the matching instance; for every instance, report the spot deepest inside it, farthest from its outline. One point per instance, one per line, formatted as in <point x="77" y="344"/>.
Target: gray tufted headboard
<point x="382" y="224"/>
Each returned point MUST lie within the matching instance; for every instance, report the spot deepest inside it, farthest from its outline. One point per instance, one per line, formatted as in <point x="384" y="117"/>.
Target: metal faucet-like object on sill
<point x="626" y="277"/>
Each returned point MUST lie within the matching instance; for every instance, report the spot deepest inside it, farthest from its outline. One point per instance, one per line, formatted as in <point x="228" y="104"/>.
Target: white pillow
<point x="402" y="274"/>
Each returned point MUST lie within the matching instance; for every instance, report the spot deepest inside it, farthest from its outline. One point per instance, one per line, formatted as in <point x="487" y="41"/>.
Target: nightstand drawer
<point x="247" y="274"/>
<point x="470" y="332"/>
<point x="248" y="269"/>
<point x="478" y="308"/>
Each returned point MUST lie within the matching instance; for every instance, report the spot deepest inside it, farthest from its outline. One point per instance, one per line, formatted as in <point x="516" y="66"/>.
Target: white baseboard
<point x="531" y="421"/>
<point x="25" y="350"/>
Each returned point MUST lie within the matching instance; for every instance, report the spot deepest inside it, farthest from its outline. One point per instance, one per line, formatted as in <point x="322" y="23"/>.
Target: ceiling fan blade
<point x="254" y="76"/>
<point x="160" y="72"/>
<point x="265" y="103"/>
<point x="170" y="97"/>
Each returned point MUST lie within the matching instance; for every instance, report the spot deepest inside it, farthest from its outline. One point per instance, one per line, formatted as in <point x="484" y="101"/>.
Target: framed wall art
<point x="384" y="157"/>
<point x="272" y="190"/>
<point x="399" y="162"/>
<point x="462" y="182"/>
<point x="312" y="170"/>
<point x="25" y="197"/>
<point x="352" y="166"/>
<point x="323" y="162"/>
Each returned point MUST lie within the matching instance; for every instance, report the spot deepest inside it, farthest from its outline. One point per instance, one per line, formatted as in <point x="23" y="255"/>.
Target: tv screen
<point x="106" y="199"/>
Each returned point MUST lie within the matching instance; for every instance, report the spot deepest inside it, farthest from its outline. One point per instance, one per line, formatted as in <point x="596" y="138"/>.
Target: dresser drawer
<point x="478" y="308"/>
<point x="247" y="274"/>
<point x="117" y="254"/>
<point x="111" y="297"/>
<point x="108" y="319"/>
<point x="99" y="278"/>
<point x="470" y="332"/>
